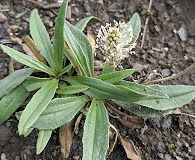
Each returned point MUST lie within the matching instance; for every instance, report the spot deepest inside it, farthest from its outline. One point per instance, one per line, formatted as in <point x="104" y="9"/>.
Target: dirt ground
<point x="169" y="48"/>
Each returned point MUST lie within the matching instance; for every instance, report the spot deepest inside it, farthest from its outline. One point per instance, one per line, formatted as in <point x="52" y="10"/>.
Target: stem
<point x="146" y="24"/>
<point x="172" y="77"/>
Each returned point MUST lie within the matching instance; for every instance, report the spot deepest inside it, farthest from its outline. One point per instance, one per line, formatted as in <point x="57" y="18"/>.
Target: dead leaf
<point x="65" y="137"/>
<point x="129" y="124"/>
<point x="16" y="40"/>
<point x="127" y="120"/>
<point x="177" y="111"/>
<point x="130" y="149"/>
<point x="76" y="126"/>
<point x="112" y="138"/>
<point x="28" y="51"/>
<point x="92" y="41"/>
<point x="30" y="43"/>
<point x="11" y="66"/>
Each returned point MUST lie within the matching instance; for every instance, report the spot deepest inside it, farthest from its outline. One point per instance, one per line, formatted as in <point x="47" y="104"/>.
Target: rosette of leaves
<point x="59" y="97"/>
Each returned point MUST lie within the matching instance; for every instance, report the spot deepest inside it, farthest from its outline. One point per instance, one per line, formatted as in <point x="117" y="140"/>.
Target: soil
<point x="166" y="51"/>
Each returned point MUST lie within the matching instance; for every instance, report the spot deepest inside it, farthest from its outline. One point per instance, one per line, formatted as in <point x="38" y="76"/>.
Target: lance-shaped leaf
<point x="60" y="111"/>
<point x="80" y="48"/>
<point x="102" y="90"/>
<point x="178" y="96"/>
<point x="41" y="37"/>
<point x="135" y="23"/>
<point x="13" y="80"/>
<point x="143" y="111"/>
<point x="33" y="83"/>
<point x="148" y="91"/>
<point x="43" y="138"/>
<point x="83" y="22"/>
<point x="27" y="60"/>
<point x="65" y="69"/>
<point x="63" y="89"/>
<point x="116" y="76"/>
<point x="107" y="68"/>
<point x="10" y="102"/>
<point x="96" y="129"/>
<point x="58" y="42"/>
<point x="37" y="105"/>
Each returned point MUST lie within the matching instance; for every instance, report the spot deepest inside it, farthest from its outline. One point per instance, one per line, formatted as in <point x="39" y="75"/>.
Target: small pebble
<point x="193" y="150"/>
<point x="68" y="14"/>
<point x="182" y="34"/>
<point x="166" y="72"/>
<point x="166" y="123"/>
<point x="118" y="15"/>
<point x="167" y="157"/>
<point x="178" y="158"/>
<point x="87" y="7"/>
<point x="138" y="67"/>
<point x="160" y="155"/>
<point x="178" y="10"/>
<point x="190" y="49"/>
<point x="3" y="18"/>
<point x="75" y="11"/>
<point x="100" y="2"/>
<point x="76" y="157"/>
<point x="3" y="156"/>
<point x="171" y="44"/>
<point x="160" y="147"/>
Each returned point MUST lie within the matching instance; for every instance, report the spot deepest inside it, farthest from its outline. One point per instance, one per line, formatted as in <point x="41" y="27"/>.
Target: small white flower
<point x="114" y="42"/>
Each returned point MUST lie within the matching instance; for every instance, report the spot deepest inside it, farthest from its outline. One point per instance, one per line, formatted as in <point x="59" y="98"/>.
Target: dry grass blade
<point x="76" y="126"/>
<point x="112" y="138"/>
<point x="130" y="149"/>
<point x="92" y="41"/>
<point x="65" y="137"/>
<point x="30" y="43"/>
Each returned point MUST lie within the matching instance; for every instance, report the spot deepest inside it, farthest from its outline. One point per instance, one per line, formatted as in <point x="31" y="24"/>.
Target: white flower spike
<point x="114" y="42"/>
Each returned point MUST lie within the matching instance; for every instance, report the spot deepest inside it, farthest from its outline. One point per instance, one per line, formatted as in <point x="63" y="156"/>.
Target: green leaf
<point x="13" y="80"/>
<point x="63" y="89"/>
<point x="27" y="60"/>
<point x="179" y="95"/>
<point x="96" y="132"/>
<point x="116" y="76"/>
<point x="43" y="138"/>
<point x="65" y="69"/>
<point x="80" y="48"/>
<point x="135" y="23"/>
<point x="37" y="105"/>
<point x="28" y="131"/>
<point x="41" y="37"/>
<point x="107" y="68"/>
<point x="69" y="54"/>
<point x="83" y="22"/>
<point x="60" y="111"/>
<point x="58" y="42"/>
<point x="143" y="111"/>
<point x="147" y="91"/>
<point x="10" y="102"/>
<point x="33" y="83"/>
<point x="102" y="90"/>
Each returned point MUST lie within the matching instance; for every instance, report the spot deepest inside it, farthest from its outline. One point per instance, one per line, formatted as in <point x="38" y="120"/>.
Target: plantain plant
<point x="69" y="83"/>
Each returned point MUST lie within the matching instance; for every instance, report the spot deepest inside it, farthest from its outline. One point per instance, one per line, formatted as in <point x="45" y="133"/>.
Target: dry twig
<point x="172" y="77"/>
<point x="49" y="6"/>
<point x="146" y="24"/>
